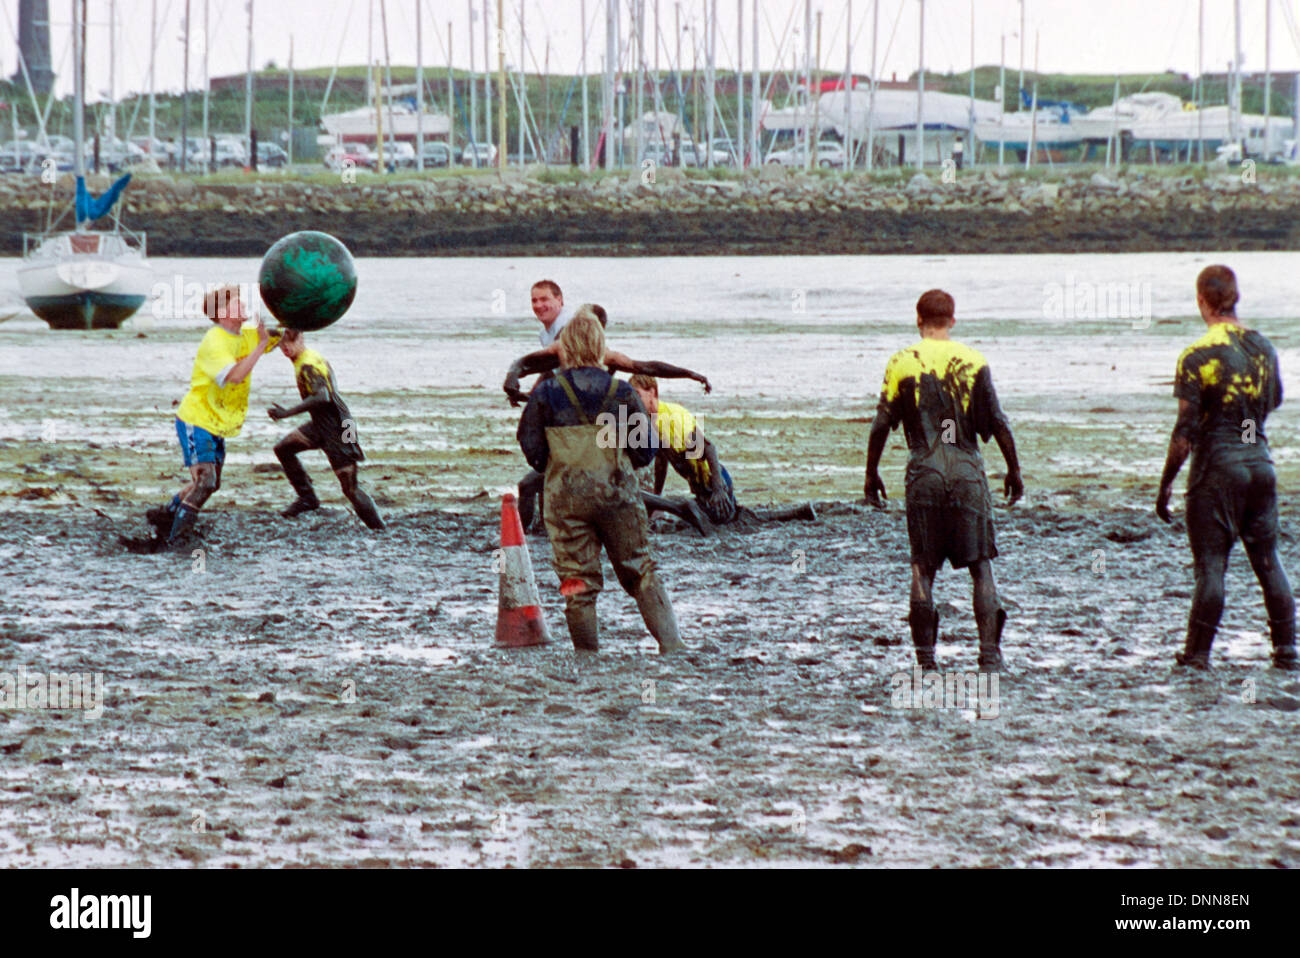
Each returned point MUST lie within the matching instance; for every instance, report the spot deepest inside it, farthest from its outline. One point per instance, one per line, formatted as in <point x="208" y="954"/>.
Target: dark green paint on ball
<point x="307" y="280"/>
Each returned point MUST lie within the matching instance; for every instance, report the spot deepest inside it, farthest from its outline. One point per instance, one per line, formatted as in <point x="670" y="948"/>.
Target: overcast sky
<point x="1076" y="36"/>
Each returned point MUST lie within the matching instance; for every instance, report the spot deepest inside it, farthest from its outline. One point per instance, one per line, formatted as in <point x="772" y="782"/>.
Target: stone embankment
<point x="666" y="211"/>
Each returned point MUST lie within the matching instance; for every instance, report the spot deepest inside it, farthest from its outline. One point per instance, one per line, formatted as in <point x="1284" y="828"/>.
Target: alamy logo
<point x="976" y="692"/>
<point x="102" y="911"/>
<point x="633" y="431"/>
<point x="1080" y="299"/>
<point x="55" y="690"/>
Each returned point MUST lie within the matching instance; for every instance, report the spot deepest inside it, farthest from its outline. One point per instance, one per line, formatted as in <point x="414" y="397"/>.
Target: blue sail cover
<point x="93" y="207"/>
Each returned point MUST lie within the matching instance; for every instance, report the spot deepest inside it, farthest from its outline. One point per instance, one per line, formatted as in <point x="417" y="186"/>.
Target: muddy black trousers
<point x="1222" y="506"/>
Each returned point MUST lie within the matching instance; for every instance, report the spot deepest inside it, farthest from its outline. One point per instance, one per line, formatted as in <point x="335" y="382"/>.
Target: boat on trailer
<point x="84" y="278"/>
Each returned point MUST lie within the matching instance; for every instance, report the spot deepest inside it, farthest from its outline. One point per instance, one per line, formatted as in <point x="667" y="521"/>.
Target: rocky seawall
<point x="768" y="211"/>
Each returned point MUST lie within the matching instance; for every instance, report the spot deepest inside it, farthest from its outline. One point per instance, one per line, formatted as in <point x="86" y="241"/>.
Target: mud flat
<point x="542" y="211"/>
<point x="307" y="693"/>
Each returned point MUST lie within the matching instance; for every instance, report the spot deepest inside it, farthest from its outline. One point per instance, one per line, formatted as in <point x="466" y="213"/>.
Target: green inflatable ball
<point x="307" y="280"/>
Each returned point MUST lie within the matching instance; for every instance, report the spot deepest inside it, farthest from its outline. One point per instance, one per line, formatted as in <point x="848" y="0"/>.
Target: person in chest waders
<point x="591" y="494"/>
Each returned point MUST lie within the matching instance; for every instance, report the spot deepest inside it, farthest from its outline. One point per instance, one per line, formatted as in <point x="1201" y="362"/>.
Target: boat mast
<point x="473" y="84"/>
<point x="711" y="78"/>
<point x="754" y="94"/>
<point x="1200" y="83"/>
<point x="1020" y="89"/>
<point x="582" y="143"/>
<point x="807" y="85"/>
<point x="871" y="106"/>
<point x="740" y="85"/>
<point x="1234" y="101"/>
<point x="640" y="79"/>
<point x="487" y="78"/>
<point x="248" y="90"/>
<point x="112" y="71"/>
<point x="1002" y="97"/>
<point x="289" y="152"/>
<point x="419" y="92"/>
<point x="153" y="46"/>
<point x="207" y="81"/>
<point x="185" y="94"/>
<point x="971" y="124"/>
<point x="920" y="98"/>
<point x="607" y="106"/>
<point x="501" y="86"/>
<point x="78" y="101"/>
<point x="847" y="87"/>
<point x="388" y="75"/>
<point x="1268" y="73"/>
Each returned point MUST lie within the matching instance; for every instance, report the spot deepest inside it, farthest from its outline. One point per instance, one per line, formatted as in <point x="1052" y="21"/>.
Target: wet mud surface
<point x="308" y="693"/>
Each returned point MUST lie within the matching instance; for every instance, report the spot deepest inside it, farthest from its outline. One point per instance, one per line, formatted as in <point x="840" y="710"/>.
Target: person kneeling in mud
<point x="331" y="430"/>
<point x="683" y="445"/>
<point x="592" y="499"/>
<point x="941" y="393"/>
<point x="543" y="362"/>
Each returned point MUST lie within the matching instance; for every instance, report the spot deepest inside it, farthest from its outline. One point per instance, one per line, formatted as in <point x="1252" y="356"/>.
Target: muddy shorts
<point x="1231" y="502"/>
<point x="949" y="518"/>
<point x="199" y="445"/>
<point x="330" y="441"/>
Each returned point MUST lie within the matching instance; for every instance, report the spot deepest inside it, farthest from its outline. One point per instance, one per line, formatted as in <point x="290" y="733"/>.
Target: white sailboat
<point x="84" y="278"/>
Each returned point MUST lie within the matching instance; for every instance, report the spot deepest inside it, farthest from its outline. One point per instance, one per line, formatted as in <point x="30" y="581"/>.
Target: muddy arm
<point x="661" y="472"/>
<point x="1180" y="447"/>
<point x="652" y="367"/>
<point x="873" y="489"/>
<point x="542" y="361"/>
<point x="320" y="396"/>
<point x="1014" y="487"/>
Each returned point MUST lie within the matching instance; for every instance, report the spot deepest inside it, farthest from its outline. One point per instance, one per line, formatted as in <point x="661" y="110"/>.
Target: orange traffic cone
<point x="519" y="615"/>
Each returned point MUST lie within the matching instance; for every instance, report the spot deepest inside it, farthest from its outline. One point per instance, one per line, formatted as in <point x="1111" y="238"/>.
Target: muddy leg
<point x="286" y="450"/>
<point x="989" y="616"/>
<point x="805" y="513"/>
<point x="1207" y="609"/>
<point x="206" y="479"/>
<point x="530" y="497"/>
<point x="625" y="534"/>
<point x="575" y="551"/>
<point x="923" y="617"/>
<point x="1278" y="600"/>
<point x="360" y="499"/>
<point x="684" y="509"/>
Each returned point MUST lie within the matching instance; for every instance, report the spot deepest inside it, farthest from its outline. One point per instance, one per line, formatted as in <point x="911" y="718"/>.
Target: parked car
<point x="270" y="155"/>
<point x="478" y="154"/>
<point x="437" y="154"/>
<point x="830" y="154"/>
<point x="17" y="156"/>
<point x="398" y="155"/>
<point x="350" y="156"/>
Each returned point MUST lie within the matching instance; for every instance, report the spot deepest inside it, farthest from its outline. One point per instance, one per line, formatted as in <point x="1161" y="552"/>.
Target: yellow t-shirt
<point x="676" y="426"/>
<point x="219" y="409"/>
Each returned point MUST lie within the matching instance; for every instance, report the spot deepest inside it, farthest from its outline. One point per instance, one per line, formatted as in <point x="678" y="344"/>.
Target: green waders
<point x="591" y="499"/>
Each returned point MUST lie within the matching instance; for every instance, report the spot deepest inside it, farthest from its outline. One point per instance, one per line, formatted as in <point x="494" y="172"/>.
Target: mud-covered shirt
<point x="941" y="393"/>
<point x="211" y="403"/>
<point x="315" y="376"/>
<point x="1231" y="380"/>
<point x="683" y="445"/>
<point x="549" y="405"/>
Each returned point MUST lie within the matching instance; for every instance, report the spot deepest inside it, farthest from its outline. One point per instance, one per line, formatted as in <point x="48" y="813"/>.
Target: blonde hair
<point x="216" y="304"/>
<point x="582" y="341"/>
<point x="642" y="381"/>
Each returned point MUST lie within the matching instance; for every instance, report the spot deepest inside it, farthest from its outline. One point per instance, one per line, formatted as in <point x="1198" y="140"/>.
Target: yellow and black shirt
<point x="313" y="376"/>
<point x="941" y="393"/>
<point x="1230" y="377"/>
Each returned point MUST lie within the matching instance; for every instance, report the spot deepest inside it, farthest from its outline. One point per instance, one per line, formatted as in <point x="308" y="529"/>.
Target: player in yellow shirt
<point x="213" y="410"/>
<point x="331" y="430"/>
<point x="683" y="445"/>
<point x="941" y="393"/>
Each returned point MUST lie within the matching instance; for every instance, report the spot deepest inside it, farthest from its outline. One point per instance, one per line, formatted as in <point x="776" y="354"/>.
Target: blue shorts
<point x="199" y="445"/>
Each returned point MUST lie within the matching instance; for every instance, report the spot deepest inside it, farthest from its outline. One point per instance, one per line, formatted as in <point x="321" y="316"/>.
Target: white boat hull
<point x="72" y="289"/>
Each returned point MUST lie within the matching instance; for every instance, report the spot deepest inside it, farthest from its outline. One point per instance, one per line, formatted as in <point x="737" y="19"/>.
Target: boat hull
<point x="86" y="309"/>
<point x="85" y="281"/>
